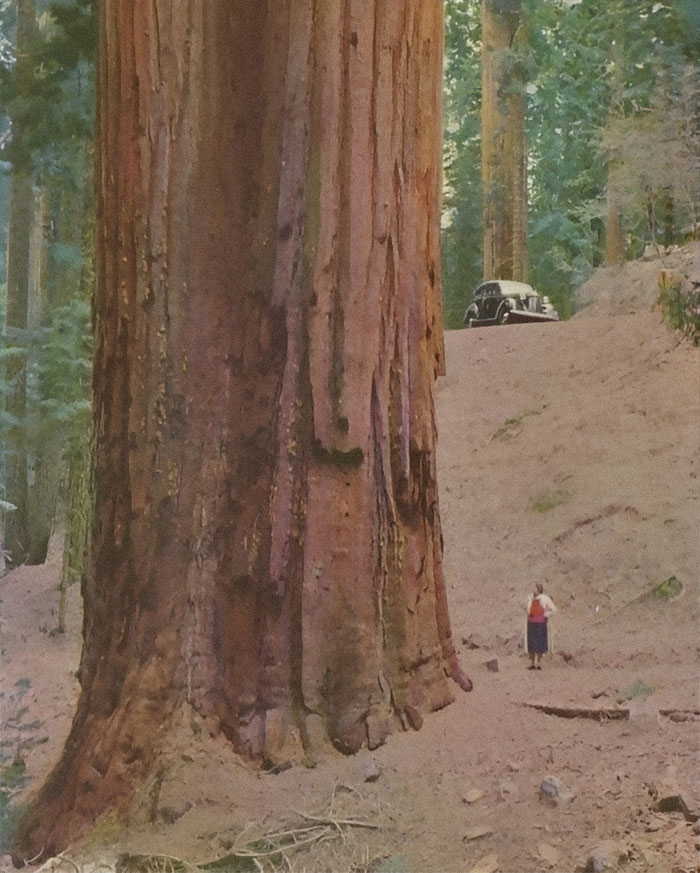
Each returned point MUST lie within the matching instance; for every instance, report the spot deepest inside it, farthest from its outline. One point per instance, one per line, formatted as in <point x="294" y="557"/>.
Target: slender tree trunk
<point x="79" y="212"/>
<point x="78" y="514"/>
<point x="668" y="204"/>
<point x="43" y="446"/>
<point x="516" y="151"/>
<point x="19" y="235"/>
<point x="266" y="545"/>
<point x="503" y="176"/>
<point x="614" y="240"/>
<point x="66" y="212"/>
<point x="18" y="254"/>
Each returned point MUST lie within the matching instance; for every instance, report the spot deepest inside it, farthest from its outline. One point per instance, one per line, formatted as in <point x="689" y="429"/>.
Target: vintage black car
<point x="501" y="301"/>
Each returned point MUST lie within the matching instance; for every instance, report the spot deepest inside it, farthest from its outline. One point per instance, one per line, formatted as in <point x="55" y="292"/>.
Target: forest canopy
<point x="612" y="97"/>
<point x="610" y="91"/>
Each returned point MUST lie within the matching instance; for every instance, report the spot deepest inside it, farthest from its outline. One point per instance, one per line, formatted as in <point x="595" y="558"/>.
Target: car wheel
<point x="502" y="315"/>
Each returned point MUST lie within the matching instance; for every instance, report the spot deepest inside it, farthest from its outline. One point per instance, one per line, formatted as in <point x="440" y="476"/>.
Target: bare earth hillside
<point x="568" y="455"/>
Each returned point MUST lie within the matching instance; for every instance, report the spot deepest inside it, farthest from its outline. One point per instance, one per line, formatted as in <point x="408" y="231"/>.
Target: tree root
<point x="267" y="853"/>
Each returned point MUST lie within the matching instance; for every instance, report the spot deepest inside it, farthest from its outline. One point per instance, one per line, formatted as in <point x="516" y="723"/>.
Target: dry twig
<point x="268" y="852"/>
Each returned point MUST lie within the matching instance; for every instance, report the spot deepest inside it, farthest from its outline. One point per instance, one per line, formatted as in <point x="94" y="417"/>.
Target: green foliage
<point x="56" y="110"/>
<point x="680" y="306"/>
<point x="549" y="500"/>
<point x="12" y="777"/>
<point x="10" y="817"/>
<point x="461" y="234"/>
<point x="395" y="863"/>
<point x="64" y="368"/>
<point x="49" y="102"/>
<point x="638" y="688"/>
<point x="655" y="155"/>
<point x="668" y="589"/>
<point x="58" y="359"/>
<point x="7" y="22"/>
<point x="603" y="79"/>
<point x="511" y="425"/>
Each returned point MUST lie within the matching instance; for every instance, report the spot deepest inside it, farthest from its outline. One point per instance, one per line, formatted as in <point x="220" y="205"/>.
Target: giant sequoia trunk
<point x="503" y="154"/>
<point x="266" y="545"/>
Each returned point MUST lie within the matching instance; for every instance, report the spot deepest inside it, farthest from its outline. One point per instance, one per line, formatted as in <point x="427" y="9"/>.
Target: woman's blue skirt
<point x="537" y="637"/>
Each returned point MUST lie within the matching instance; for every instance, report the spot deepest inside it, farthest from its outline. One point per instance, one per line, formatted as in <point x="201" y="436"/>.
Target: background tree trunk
<point x="19" y="236"/>
<point x="503" y="156"/>
<point x="516" y="151"/>
<point x="78" y="212"/>
<point x="43" y="443"/>
<point x="266" y="545"/>
<point x="614" y="239"/>
<point x="77" y="518"/>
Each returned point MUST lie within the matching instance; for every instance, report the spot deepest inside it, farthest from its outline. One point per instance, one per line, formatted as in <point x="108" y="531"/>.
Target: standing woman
<point x="539" y="609"/>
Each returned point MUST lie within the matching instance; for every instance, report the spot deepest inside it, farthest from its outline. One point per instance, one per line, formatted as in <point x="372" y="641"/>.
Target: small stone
<point x="489" y="864"/>
<point x="552" y="791"/>
<point x="472" y="795"/>
<point x="474" y="641"/>
<point x="673" y="802"/>
<point x="507" y="787"/>
<point x="604" y="857"/>
<point x="548" y="854"/>
<point x="371" y="771"/>
<point x="492" y="665"/>
<point x="548" y="754"/>
<point x="476" y="832"/>
<point x="170" y="814"/>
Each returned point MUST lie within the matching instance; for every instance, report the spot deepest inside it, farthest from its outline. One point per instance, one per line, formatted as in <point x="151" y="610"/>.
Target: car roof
<point x="510" y="288"/>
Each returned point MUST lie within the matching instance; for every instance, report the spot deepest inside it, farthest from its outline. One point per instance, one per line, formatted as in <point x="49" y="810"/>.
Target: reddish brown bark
<point x="503" y="147"/>
<point x="614" y="239"/>
<point x="267" y="544"/>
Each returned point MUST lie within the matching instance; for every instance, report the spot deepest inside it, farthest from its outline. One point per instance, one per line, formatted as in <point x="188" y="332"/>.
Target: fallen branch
<point x="610" y="713"/>
<point x="596" y="714"/>
<point x="681" y="714"/>
<point x="347" y="822"/>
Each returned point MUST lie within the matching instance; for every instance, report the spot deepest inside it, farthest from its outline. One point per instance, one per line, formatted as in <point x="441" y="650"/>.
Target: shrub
<point x="679" y="300"/>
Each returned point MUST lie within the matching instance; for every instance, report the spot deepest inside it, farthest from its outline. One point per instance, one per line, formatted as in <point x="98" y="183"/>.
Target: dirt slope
<point x="568" y="454"/>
